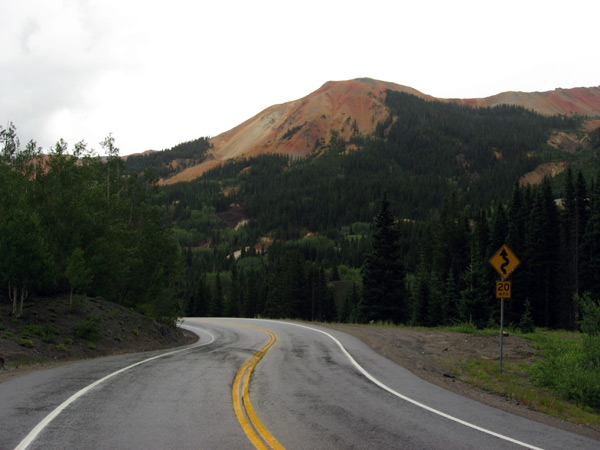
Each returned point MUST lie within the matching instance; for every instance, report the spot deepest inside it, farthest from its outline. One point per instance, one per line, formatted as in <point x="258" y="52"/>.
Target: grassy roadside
<point x="557" y="381"/>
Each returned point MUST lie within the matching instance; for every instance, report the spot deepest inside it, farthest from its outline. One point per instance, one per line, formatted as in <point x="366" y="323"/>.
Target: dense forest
<point x="425" y="150"/>
<point x="161" y="163"/>
<point x="396" y="226"/>
<point x="76" y="223"/>
<point x="347" y="277"/>
<point x="449" y="174"/>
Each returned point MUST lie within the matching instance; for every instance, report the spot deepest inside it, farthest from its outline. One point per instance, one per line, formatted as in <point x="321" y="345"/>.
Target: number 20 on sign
<point x="502" y="289"/>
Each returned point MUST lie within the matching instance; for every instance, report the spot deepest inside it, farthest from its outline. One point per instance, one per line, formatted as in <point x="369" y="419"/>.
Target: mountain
<point x="355" y="107"/>
<point x="581" y="101"/>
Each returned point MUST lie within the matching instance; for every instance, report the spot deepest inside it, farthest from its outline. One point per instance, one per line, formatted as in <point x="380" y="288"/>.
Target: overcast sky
<point x="157" y="73"/>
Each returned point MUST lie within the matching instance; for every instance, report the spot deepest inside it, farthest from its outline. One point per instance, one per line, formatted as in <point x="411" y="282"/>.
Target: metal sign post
<point x="501" y="329"/>
<point x="502" y="292"/>
<point x="505" y="262"/>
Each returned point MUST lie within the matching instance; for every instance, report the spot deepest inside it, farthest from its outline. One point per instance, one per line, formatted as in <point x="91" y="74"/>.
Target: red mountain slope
<point x="583" y="101"/>
<point x="356" y="106"/>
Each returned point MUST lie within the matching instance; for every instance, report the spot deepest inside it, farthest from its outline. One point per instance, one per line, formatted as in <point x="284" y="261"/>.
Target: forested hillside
<point x="166" y="162"/>
<point x="449" y="174"/>
<point x="397" y="225"/>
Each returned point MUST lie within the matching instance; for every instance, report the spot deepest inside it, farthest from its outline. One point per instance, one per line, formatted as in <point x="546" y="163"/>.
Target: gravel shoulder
<point x="431" y="355"/>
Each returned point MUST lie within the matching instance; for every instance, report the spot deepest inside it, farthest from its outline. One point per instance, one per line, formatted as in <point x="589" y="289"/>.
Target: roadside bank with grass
<point x="52" y="330"/>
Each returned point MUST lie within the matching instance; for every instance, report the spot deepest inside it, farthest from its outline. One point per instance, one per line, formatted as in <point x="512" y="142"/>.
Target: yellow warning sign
<point x="504" y="261"/>
<point x="503" y="289"/>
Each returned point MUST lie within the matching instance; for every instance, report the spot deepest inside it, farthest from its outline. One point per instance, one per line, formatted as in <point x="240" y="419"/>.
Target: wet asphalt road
<point x="307" y="391"/>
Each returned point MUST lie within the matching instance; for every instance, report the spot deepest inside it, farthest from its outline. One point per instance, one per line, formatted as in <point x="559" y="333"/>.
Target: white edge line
<point x="50" y="417"/>
<point x="410" y="400"/>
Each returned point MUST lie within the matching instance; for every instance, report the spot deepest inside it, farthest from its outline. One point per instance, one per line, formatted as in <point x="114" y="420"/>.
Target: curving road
<point x="255" y="384"/>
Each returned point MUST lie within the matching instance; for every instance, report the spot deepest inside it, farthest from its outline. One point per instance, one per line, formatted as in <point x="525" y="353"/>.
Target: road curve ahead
<point x="255" y="384"/>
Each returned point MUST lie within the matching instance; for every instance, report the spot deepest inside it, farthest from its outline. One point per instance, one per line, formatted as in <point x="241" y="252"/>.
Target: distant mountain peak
<point x="295" y="128"/>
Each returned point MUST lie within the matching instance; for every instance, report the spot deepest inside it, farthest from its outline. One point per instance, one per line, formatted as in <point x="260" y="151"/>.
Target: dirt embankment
<point x="52" y="332"/>
<point x="549" y="169"/>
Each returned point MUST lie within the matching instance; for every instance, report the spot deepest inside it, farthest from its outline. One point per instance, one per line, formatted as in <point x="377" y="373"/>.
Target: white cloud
<point x="158" y="73"/>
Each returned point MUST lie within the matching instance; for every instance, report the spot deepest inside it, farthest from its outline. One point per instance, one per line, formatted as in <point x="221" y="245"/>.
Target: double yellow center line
<point x="251" y="424"/>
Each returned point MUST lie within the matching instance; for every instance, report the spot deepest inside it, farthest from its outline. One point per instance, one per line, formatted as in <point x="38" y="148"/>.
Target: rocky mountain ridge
<point x="356" y="106"/>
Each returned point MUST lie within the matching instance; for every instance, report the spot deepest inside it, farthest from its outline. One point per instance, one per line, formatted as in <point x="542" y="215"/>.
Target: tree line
<point x="73" y="222"/>
<point x="556" y="243"/>
<point x="368" y="277"/>
<point x="161" y="162"/>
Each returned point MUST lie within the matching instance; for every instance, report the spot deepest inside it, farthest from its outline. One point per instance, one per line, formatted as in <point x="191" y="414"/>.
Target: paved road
<point x="298" y="386"/>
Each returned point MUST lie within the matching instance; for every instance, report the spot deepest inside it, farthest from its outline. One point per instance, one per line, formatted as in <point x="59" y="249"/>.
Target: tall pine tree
<point x="384" y="296"/>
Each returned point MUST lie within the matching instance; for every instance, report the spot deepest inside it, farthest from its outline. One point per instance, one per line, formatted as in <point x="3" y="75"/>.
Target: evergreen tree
<point x="543" y="258"/>
<point x="436" y="312"/>
<point x="517" y="212"/>
<point x="591" y="246"/>
<point x="451" y="246"/>
<point x="274" y="305"/>
<point x="420" y="295"/>
<point x="450" y="300"/>
<point x="578" y="231"/>
<point x="201" y="297"/>
<point x="517" y="216"/>
<point x="353" y="301"/>
<point x="476" y="305"/>
<point x="347" y="308"/>
<point x="335" y="276"/>
<point x="499" y="229"/>
<point x="482" y="234"/>
<point x="384" y="294"/>
<point x="250" y="305"/>
<point x="321" y="307"/>
<point x="295" y="301"/>
<point x="288" y="295"/>
<point x="215" y="307"/>
<point x="526" y="324"/>
<point x="233" y="303"/>
<point x="328" y="308"/>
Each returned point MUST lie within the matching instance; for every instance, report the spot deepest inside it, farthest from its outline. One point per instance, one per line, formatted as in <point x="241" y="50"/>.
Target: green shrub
<point x="26" y="343"/>
<point x="61" y="348"/>
<point x="291" y="132"/>
<point x="526" y="324"/>
<point x="45" y="332"/>
<point x="350" y="274"/>
<point x="590" y="314"/>
<point x="569" y="369"/>
<point x="591" y="352"/>
<point x="8" y="335"/>
<point x="77" y="304"/>
<point x="88" y="330"/>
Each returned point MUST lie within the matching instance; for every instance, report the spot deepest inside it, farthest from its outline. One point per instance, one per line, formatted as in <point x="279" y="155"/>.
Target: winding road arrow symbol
<point x="504" y="255"/>
<point x="504" y="261"/>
